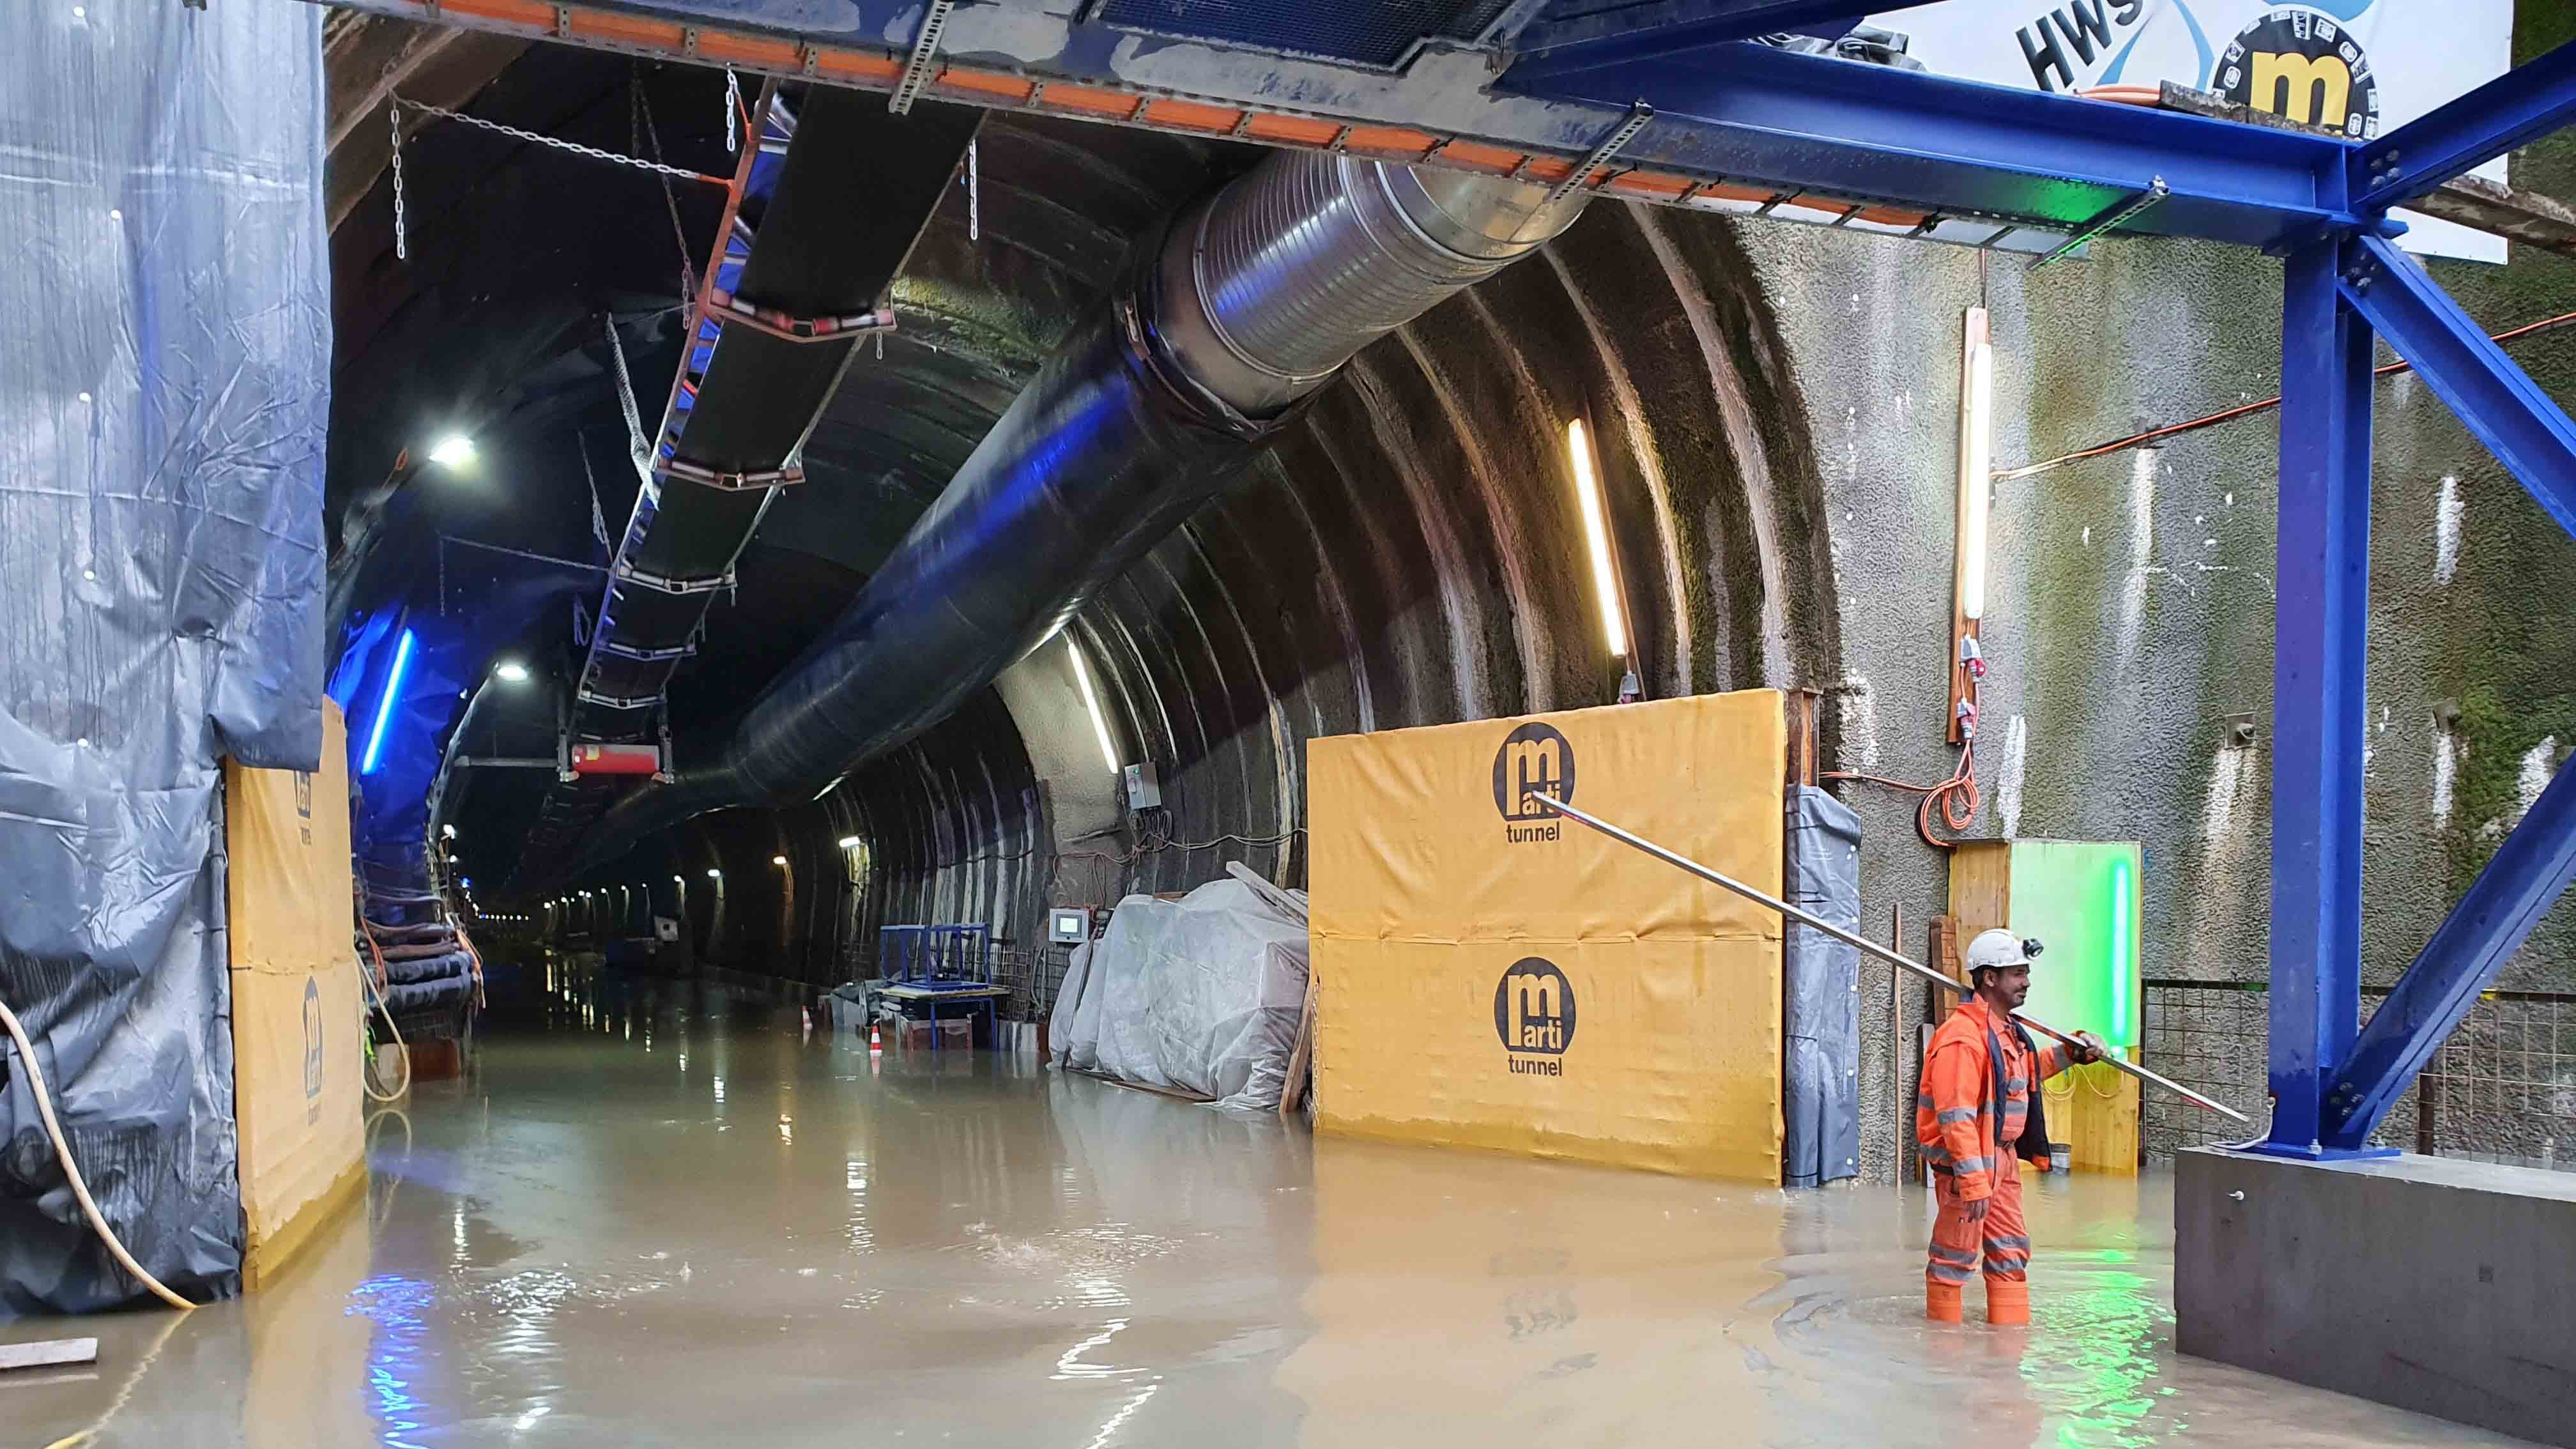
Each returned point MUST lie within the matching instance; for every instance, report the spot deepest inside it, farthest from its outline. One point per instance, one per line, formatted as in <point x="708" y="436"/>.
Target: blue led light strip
<point x="385" y="706"/>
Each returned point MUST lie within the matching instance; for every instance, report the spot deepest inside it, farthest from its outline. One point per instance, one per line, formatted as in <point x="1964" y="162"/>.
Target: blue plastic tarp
<point x="164" y="388"/>
<point x="1821" y="995"/>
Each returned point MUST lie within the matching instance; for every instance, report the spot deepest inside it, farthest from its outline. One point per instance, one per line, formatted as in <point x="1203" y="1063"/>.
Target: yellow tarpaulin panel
<point x="1491" y="974"/>
<point x="296" y="1013"/>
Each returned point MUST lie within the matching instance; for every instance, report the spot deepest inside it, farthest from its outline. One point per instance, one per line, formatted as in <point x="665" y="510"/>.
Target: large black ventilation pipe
<point x="1249" y="303"/>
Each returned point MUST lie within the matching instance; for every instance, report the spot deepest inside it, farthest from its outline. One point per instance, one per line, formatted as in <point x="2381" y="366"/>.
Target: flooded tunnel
<point x="920" y="684"/>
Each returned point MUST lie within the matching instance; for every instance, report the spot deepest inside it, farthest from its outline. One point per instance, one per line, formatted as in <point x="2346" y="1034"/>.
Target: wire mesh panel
<point x="1033" y="975"/>
<point x="2208" y="1035"/>
<point x="2502" y="1087"/>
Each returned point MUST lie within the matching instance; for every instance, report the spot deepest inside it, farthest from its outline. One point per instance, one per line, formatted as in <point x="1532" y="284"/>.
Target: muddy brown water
<point x="676" y="1220"/>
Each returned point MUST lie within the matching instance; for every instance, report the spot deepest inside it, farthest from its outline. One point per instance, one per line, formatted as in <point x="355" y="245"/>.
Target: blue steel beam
<point x="1743" y="114"/>
<point x="1755" y="114"/>
<point x="1665" y="28"/>
<point x="2528" y="873"/>
<point x="2518" y="107"/>
<point x="2498" y="401"/>
<point x="2318" y="628"/>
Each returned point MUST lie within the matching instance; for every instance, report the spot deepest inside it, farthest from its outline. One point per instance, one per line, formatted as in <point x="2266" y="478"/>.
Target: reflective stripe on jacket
<point x="1954" y="1126"/>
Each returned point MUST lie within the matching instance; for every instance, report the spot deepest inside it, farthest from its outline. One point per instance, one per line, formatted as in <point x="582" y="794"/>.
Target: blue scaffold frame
<point x="1750" y="116"/>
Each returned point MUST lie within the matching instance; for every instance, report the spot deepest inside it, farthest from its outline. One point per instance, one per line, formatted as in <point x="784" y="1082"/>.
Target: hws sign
<point x="2358" y="67"/>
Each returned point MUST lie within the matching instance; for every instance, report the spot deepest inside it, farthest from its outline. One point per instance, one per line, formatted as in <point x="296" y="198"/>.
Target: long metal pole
<point x="1871" y="948"/>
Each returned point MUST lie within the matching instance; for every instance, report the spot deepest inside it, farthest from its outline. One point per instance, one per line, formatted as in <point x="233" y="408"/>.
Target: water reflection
<point x="570" y="1248"/>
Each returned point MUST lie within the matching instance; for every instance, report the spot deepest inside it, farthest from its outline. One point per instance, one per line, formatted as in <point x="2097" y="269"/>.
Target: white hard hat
<point x="1995" y="949"/>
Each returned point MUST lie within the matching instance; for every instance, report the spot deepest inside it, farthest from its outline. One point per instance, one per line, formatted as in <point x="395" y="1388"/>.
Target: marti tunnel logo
<point x="1534" y="1015"/>
<point x="2302" y="67"/>
<point x="1534" y="760"/>
<point x="2292" y="62"/>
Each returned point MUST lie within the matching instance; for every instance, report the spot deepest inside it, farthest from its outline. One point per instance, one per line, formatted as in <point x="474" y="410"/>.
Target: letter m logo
<point x="2308" y="89"/>
<point x="1535" y="995"/>
<point x="1537" y="767"/>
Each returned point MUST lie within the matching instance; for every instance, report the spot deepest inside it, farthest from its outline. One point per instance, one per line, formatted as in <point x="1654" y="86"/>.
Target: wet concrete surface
<point x="676" y="1221"/>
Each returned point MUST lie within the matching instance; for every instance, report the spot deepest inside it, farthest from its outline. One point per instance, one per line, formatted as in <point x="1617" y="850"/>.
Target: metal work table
<point x="934" y="997"/>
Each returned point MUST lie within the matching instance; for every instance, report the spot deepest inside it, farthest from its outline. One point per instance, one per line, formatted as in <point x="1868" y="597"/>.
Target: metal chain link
<point x="974" y="193"/>
<point x="575" y="147"/>
<point x="647" y="135"/>
<point x="393" y="115"/>
<point x="733" y="110"/>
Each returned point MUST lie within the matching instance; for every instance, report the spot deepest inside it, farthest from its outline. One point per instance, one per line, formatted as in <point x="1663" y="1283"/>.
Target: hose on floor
<point x="71" y="1170"/>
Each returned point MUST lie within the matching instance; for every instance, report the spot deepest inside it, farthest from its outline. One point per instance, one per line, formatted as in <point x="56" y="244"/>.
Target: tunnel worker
<point x="1976" y="1119"/>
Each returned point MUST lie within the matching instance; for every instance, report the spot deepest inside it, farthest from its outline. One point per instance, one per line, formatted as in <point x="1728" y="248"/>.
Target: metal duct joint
<point x="1273" y="283"/>
<point x="1151" y="408"/>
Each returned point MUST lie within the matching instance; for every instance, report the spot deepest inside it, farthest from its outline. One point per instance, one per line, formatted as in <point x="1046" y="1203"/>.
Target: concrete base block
<point x="2433" y="1284"/>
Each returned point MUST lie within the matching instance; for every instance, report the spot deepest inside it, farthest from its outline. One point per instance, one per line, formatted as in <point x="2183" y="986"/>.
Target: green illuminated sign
<point x="2080" y="898"/>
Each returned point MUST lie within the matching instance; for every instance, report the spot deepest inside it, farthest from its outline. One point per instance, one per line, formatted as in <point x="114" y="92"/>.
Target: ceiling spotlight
<point x="453" y="451"/>
<point x="511" y="671"/>
<point x="849" y="842"/>
<point x="715" y="875"/>
<point x="778" y="860"/>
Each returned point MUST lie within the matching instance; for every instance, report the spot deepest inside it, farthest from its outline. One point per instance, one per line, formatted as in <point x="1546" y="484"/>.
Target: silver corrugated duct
<point x="1147" y="411"/>
<point x="1281" y="277"/>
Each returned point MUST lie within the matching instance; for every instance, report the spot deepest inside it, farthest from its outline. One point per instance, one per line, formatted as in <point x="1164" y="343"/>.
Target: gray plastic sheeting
<point x="163" y="393"/>
<point x="1200" y="995"/>
<point x="1821" y="994"/>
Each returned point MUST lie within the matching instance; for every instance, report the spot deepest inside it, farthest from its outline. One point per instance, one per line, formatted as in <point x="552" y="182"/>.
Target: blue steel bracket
<point x="2319" y="629"/>
<point x="2497" y="400"/>
<point x="2518" y="107"/>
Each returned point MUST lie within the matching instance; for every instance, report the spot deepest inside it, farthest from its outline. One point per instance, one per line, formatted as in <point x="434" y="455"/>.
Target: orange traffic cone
<point x="876" y="1043"/>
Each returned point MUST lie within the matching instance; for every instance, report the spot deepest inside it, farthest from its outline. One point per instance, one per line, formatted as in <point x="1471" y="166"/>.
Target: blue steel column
<point x="2317" y="706"/>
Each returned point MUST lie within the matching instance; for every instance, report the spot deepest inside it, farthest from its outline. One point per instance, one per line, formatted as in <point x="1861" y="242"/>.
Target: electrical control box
<point x="1144" y="787"/>
<point x="1069" y="926"/>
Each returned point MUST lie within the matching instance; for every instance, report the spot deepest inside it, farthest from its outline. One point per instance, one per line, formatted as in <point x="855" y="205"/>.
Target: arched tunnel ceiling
<point x="1409" y="554"/>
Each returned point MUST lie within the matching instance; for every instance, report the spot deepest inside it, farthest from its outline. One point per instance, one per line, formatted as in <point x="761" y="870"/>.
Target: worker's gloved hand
<point x="1975" y="1208"/>
<point x="2088" y="1048"/>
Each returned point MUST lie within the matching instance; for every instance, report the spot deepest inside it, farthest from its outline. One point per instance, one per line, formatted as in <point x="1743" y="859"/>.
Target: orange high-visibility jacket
<point x="1954" y="1113"/>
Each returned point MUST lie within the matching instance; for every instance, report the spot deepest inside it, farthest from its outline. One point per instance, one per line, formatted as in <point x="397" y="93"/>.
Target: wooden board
<point x="1301" y="1058"/>
<point x="2100" y="1126"/>
<point x="48" y="1353"/>
<point x="1981" y="886"/>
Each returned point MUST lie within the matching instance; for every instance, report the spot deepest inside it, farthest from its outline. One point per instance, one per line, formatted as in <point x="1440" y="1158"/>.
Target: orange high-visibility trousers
<point x="2003" y="1240"/>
